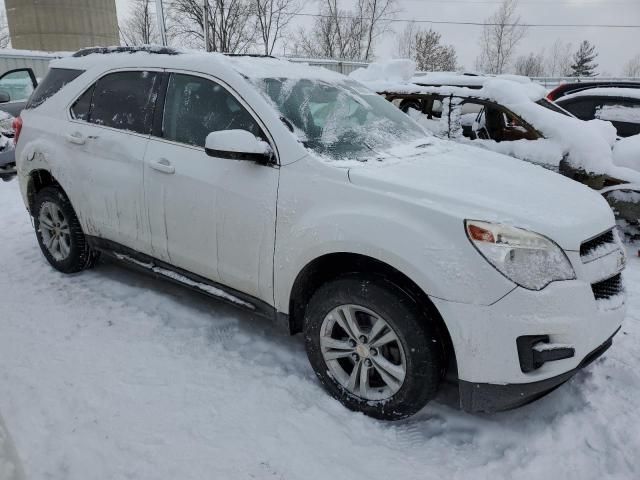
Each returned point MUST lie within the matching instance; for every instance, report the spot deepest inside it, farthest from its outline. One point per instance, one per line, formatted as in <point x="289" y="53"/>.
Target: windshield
<point x="340" y="121"/>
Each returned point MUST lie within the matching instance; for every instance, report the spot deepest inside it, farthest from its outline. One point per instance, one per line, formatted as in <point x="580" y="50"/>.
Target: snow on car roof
<point x="271" y="67"/>
<point x="251" y="66"/>
<point x="605" y="92"/>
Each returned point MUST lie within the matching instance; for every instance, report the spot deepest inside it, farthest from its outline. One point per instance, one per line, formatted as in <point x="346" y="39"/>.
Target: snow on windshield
<point x="339" y="120"/>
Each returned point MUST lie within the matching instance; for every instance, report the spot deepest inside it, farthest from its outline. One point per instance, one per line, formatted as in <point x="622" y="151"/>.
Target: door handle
<point x="163" y="165"/>
<point x="76" y="137"/>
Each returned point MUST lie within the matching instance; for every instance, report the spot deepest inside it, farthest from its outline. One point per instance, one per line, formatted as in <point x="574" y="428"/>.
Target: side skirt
<point x="160" y="269"/>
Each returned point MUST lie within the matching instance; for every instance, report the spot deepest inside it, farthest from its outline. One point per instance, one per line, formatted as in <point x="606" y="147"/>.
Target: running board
<point x="161" y="269"/>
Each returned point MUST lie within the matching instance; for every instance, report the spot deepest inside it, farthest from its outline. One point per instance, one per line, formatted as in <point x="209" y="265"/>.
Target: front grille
<point x="608" y="288"/>
<point x="590" y="246"/>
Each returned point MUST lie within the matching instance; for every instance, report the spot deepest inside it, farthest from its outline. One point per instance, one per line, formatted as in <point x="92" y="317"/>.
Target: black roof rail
<point x="160" y="50"/>
<point x="253" y="55"/>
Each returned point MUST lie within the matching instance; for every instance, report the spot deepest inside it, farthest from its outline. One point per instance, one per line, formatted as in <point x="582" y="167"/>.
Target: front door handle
<point x="163" y="165"/>
<point x="76" y="137"/>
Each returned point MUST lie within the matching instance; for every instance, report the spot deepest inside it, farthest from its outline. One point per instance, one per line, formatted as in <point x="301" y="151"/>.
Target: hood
<point x="470" y="183"/>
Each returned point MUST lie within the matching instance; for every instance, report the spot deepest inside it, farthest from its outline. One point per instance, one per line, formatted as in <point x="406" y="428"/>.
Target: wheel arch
<point x="39" y="179"/>
<point x="334" y="265"/>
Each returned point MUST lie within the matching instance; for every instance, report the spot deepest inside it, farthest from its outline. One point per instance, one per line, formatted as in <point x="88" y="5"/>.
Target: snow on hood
<point x="472" y="183"/>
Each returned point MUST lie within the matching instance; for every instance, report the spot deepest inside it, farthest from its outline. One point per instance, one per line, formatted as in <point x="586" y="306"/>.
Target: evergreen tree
<point x="583" y="65"/>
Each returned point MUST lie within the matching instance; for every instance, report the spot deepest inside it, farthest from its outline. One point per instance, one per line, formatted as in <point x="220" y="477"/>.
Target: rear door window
<point x="55" y="79"/>
<point x="122" y="100"/>
<point x="80" y="109"/>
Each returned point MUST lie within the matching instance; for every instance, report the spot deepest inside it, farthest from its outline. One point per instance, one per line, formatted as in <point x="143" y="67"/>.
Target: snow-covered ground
<point x="114" y="375"/>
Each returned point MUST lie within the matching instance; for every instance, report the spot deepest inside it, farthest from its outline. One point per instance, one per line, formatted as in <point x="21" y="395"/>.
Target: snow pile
<point x="400" y="70"/>
<point x="626" y="153"/>
<point x="619" y="113"/>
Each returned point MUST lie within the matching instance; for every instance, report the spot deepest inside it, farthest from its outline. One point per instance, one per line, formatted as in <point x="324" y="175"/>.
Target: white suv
<point x="301" y="195"/>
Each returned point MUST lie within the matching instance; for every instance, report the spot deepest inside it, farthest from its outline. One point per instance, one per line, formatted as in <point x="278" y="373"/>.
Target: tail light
<point x="553" y="94"/>
<point x="17" y="128"/>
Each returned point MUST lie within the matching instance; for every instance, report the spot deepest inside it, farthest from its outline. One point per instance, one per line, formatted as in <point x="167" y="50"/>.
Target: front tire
<point x="59" y="233"/>
<point x="372" y="347"/>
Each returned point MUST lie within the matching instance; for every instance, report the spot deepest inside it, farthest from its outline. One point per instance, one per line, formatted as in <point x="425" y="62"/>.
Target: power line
<point x="461" y="23"/>
<point x="479" y="24"/>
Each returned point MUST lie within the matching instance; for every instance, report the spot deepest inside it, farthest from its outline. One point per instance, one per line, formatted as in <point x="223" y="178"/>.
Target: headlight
<point x="526" y="258"/>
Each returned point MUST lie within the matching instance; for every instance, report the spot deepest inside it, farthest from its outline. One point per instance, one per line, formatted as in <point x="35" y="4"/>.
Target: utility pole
<point x="205" y="24"/>
<point x="161" y="24"/>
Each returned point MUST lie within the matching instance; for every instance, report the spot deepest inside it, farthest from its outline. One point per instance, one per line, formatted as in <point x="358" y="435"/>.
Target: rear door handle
<point x="76" y="137"/>
<point x="163" y="165"/>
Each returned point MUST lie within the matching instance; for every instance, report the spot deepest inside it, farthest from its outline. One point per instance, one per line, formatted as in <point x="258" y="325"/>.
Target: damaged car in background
<point x="511" y="115"/>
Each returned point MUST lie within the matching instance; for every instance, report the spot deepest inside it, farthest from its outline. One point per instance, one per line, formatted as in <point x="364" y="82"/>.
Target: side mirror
<point x="4" y="97"/>
<point x="238" y="145"/>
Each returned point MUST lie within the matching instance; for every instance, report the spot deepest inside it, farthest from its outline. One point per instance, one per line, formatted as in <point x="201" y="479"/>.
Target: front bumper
<point x="489" y="397"/>
<point x="529" y="342"/>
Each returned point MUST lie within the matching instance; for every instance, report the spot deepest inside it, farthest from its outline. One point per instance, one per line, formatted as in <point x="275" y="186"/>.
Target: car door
<point x="623" y="113"/>
<point x="15" y="88"/>
<point x="106" y="138"/>
<point x="214" y="217"/>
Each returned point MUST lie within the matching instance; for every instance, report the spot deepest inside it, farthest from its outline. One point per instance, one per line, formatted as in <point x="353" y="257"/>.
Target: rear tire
<point x="59" y="233"/>
<point x="389" y="364"/>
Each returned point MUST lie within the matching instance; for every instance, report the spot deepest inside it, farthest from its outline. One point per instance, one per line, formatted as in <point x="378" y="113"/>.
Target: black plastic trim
<point x="491" y="397"/>
<point x="140" y="262"/>
<point x="261" y="158"/>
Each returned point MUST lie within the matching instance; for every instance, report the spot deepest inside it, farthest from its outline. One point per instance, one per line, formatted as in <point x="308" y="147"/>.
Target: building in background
<point x="62" y="25"/>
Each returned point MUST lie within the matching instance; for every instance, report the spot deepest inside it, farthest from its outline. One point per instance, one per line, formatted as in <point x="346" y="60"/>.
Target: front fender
<point x="428" y="246"/>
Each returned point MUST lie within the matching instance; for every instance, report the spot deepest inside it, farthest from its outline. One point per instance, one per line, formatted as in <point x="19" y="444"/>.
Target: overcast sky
<point x="615" y="45"/>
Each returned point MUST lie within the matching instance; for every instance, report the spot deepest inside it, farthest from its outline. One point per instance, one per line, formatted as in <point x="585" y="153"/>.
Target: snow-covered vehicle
<point x="620" y="106"/>
<point x="511" y="115"/>
<point x="303" y="196"/>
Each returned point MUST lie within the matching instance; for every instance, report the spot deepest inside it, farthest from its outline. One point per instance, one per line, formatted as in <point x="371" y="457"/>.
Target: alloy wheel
<point x="362" y="352"/>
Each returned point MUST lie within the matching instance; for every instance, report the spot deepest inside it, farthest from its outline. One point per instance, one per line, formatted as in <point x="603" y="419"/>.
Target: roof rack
<point x="253" y="55"/>
<point x="143" y="48"/>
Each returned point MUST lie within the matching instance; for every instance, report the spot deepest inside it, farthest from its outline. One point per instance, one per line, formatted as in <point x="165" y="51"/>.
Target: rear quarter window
<point x="55" y="79"/>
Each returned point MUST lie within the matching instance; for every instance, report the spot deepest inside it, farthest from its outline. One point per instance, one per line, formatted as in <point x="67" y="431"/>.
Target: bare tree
<point x="502" y="32"/>
<point x="632" y="67"/>
<point x="560" y="59"/>
<point x="378" y="13"/>
<point x="273" y="18"/>
<point x="345" y="34"/>
<point x="5" y="38"/>
<point x="531" y="65"/>
<point x="231" y="24"/>
<point x="140" y="26"/>
<point x="431" y="55"/>
<point x="406" y="41"/>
